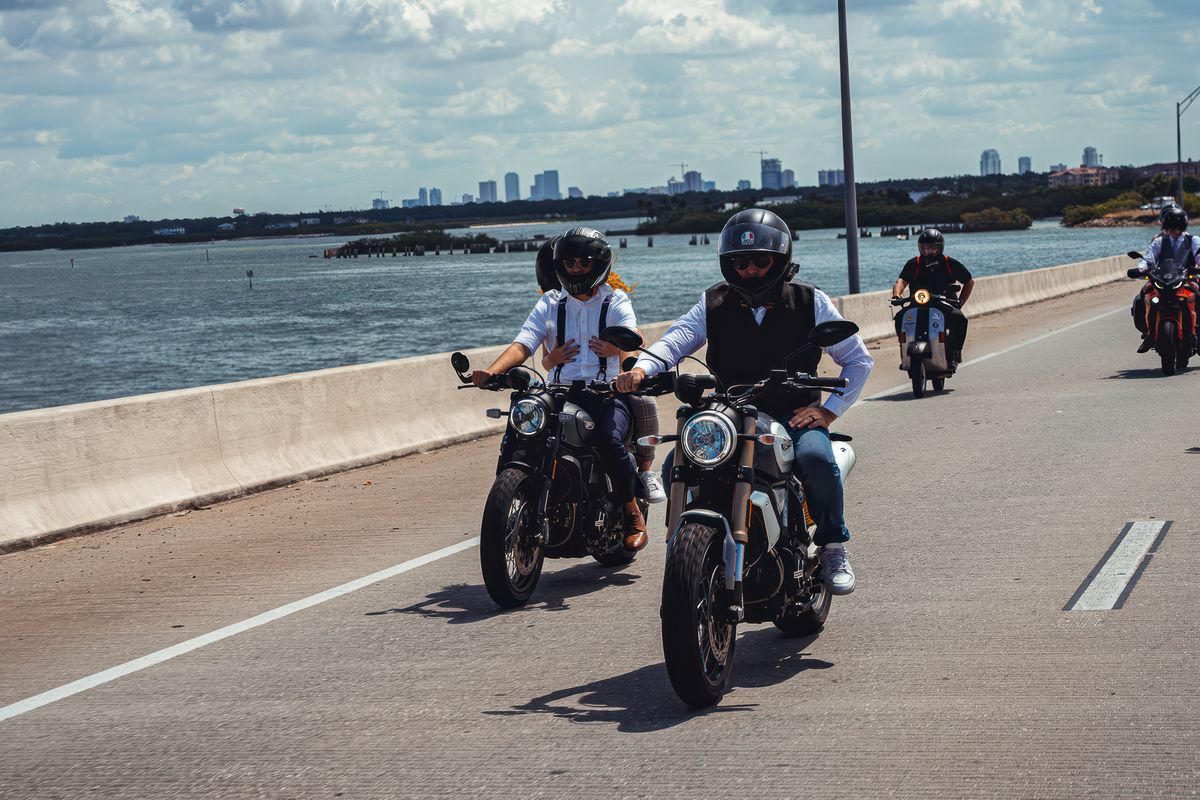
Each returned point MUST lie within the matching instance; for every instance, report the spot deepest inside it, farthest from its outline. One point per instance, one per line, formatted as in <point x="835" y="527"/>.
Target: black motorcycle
<point x="551" y="497"/>
<point x="924" y="353"/>
<point x="741" y="537"/>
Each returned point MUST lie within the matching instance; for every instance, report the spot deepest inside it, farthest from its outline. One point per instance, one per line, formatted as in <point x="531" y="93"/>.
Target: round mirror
<point x="830" y="333"/>
<point x="460" y="362"/>
<point x="622" y="337"/>
<point x="1135" y="255"/>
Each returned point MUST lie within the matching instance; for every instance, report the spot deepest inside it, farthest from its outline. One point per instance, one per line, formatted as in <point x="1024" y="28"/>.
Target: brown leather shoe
<point x="635" y="529"/>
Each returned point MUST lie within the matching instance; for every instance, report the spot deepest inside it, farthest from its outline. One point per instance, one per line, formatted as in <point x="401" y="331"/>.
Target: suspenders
<point x="561" y="328"/>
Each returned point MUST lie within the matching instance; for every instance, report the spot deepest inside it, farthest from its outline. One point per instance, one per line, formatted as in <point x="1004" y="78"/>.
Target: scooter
<point x="923" y="351"/>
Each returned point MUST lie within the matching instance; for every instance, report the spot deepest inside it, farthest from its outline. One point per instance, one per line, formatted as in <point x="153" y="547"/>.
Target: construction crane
<point x="682" y="167"/>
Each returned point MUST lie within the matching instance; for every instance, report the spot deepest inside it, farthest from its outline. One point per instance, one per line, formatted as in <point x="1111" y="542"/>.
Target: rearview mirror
<point x="624" y="338"/>
<point x="462" y="365"/>
<point x="1135" y="255"/>
<point x="827" y="334"/>
<point x="628" y="363"/>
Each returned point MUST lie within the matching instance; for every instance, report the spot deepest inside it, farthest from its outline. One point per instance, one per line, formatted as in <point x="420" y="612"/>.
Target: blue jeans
<point x="822" y="479"/>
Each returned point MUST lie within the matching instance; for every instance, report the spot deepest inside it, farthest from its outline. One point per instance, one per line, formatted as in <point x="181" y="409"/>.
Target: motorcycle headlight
<point x="921" y="296"/>
<point x="527" y="417"/>
<point x="708" y="439"/>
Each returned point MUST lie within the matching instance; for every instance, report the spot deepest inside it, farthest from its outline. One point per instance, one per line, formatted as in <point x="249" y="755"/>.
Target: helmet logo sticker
<point x="747" y="238"/>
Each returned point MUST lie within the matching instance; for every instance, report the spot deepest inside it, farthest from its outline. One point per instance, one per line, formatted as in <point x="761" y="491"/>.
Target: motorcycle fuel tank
<point x="578" y="429"/>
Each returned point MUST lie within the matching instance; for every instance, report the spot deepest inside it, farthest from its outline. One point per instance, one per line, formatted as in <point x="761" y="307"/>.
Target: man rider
<point x="936" y="272"/>
<point x="751" y="321"/>
<point x="1172" y="243"/>
<point x="582" y="260"/>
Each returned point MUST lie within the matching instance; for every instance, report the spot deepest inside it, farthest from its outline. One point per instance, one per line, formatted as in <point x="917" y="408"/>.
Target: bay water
<point x="126" y="321"/>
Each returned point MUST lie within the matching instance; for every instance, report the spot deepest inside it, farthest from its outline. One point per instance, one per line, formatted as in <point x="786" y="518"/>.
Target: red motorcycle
<point x="1170" y="302"/>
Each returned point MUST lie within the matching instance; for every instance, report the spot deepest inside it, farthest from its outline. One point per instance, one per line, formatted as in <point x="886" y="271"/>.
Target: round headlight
<point x="528" y="416"/>
<point x="708" y="438"/>
<point x="921" y="296"/>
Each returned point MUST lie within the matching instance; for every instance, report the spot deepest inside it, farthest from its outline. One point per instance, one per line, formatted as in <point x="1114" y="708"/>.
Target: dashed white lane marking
<point x="908" y="386"/>
<point x="138" y="664"/>
<point x="1113" y="578"/>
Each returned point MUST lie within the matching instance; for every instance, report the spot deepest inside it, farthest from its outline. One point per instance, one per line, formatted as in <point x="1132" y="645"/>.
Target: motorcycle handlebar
<point x="821" y="383"/>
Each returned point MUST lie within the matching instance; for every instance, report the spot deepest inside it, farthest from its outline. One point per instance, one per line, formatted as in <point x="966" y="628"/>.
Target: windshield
<point x="1167" y="272"/>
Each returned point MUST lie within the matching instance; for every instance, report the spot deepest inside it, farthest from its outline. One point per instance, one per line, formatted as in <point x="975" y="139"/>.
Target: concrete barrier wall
<point x="75" y="468"/>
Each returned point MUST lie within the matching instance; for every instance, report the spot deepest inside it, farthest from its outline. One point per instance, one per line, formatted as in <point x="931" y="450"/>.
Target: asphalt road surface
<point x="979" y="516"/>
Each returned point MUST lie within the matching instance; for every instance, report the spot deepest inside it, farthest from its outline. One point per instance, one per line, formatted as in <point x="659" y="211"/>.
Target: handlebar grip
<point x="828" y="383"/>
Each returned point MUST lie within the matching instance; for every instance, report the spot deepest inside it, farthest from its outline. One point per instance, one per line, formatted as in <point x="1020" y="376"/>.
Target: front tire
<point x="510" y="562"/>
<point x="697" y="645"/>
<point x="917" y="373"/>
<point x="1167" y="345"/>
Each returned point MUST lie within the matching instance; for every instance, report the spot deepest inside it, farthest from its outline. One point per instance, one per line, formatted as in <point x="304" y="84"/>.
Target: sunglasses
<point x="579" y="261"/>
<point x="760" y="261"/>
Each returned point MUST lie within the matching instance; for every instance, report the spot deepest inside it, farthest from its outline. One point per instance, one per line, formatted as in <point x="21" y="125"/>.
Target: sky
<point x="194" y="107"/>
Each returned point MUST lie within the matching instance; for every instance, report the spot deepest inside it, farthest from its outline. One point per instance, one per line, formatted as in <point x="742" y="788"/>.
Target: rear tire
<point x="697" y="646"/>
<point x="1167" y="346"/>
<point x="917" y="373"/>
<point x="939" y="384"/>
<point x="618" y="556"/>
<point x="810" y="621"/>
<point x="511" y="566"/>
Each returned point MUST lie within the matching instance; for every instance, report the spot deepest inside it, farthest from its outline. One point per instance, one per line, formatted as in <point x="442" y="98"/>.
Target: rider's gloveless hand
<point x="480" y="377"/>
<point x="630" y="381"/>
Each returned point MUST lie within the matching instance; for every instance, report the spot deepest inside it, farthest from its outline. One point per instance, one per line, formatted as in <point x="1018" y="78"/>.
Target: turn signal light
<point x="768" y="438"/>
<point x="650" y="441"/>
<point x="921" y="296"/>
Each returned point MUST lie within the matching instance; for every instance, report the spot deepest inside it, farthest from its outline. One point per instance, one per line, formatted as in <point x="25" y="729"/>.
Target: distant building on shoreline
<point x="771" y="173"/>
<point x="831" y="177"/>
<point x="512" y="187"/>
<point x="989" y="163"/>
<point x="1084" y="176"/>
<point x="487" y="191"/>
<point x="1024" y="165"/>
<point x="435" y="196"/>
<point x="1091" y="158"/>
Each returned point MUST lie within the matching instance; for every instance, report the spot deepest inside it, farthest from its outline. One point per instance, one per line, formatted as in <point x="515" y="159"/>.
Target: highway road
<point x="1025" y="624"/>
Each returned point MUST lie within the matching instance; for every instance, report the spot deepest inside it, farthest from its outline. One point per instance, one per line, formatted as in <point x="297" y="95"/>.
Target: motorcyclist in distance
<point x="582" y="260"/>
<point x="1174" y="243"/>
<point x="931" y="269"/>
<point x="751" y="322"/>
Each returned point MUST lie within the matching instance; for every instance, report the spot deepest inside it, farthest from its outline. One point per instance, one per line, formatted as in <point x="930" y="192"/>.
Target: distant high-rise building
<point x="378" y="204"/>
<point x="772" y="176"/>
<point x="675" y="187"/>
<point x="710" y="186"/>
<point x="575" y="193"/>
<point x="487" y="191"/>
<point x="435" y="196"/>
<point x="410" y="202"/>
<point x="692" y="181"/>
<point x="989" y="163"/>
<point x="1024" y="164"/>
<point x="1057" y="167"/>
<point x="831" y="177"/>
<point x="538" y="190"/>
<point x="422" y="197"/>
<point x="787" y="178"/>
<point x="550" y="184"/>
<point x="743" y="185"/>
<point x="466" y="198"/>
<point x="1091" y="158"/>
<point x="512" y="187"/>
<point x="239" y="212"/>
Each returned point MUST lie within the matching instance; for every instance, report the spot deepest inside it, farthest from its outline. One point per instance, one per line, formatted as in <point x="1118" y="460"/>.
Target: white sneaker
<point x="652" y="484"/>
<point x="835" y="570"/>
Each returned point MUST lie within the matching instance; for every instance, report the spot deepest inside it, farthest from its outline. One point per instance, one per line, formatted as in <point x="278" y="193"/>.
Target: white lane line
<point x="907" y="386"/>
<point x="1113" y="578"/>
<point x="138" y="664"/>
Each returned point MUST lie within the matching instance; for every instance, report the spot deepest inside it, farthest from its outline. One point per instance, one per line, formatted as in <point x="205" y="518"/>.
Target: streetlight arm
<point x="1186" y="102"/>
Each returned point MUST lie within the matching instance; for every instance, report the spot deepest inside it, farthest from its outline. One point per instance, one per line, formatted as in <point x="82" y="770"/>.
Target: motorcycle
<point x="551" y="497"/>
<point x="1170" y="300"/>
<point x="923" y="332"/>
<point x="741" y="546"/>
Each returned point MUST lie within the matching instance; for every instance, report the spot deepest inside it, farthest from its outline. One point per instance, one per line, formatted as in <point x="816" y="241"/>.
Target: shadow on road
<point x="907" y="395"/>
<point x="642" y="701"/>
<point x="1138" y="374"/>
<point x="466" y="602"/>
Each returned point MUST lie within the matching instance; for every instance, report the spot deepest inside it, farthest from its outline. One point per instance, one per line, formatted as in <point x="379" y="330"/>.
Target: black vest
<point x="1165" y="250"/>
<point x="742" y="351"/>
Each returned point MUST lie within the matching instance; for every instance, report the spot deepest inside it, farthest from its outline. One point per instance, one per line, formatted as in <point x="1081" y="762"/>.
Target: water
<point x="132" y="320"/>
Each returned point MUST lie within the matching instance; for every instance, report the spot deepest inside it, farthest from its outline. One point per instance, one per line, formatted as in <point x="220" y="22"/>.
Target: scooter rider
<point x="1174" y="243"/>
<point x="582" y="260"/>
<point x="936" y="272"/>
<point x="751" y="322"/>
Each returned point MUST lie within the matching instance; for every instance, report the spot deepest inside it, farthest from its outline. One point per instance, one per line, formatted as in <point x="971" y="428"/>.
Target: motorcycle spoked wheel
<point x="917" y="373"/>
<point x="1167" y="346"/>
<point x="510" y="562"/>
<point x="615" y="555"/>
<point x="697" y="645"/>
<point x="811" y="619"/>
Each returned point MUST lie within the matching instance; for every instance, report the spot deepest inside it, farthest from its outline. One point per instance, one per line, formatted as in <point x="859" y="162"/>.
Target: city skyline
<point x="193" y="107"/>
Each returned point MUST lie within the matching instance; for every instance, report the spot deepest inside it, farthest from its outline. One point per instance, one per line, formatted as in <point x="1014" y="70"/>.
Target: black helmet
<point x="587" y="243"/>
<point x="546" y="278"/>
<point x="932" y="236"/>
<point x="1174" y="217"/>
<point x="756" y="230"/>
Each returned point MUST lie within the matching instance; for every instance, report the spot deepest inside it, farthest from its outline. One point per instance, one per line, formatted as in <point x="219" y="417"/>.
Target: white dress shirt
<point x="1177" y="247"/>
<point x="582" y="323"/>
<point x="690" y="332"/>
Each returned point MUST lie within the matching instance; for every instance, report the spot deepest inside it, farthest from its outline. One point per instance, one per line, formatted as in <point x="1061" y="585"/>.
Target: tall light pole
<point x="848" y="157"/>
<point x="1181" y="107"/>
